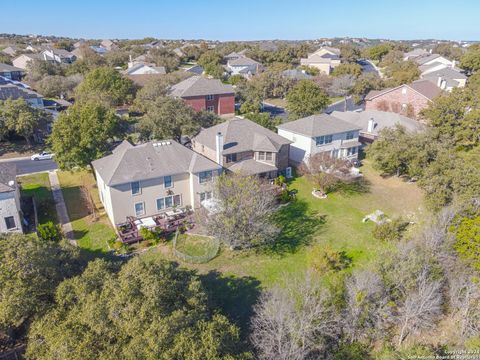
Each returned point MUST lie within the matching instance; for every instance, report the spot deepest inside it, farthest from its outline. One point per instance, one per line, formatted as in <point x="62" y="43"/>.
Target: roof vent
<point x="11" y="183"/>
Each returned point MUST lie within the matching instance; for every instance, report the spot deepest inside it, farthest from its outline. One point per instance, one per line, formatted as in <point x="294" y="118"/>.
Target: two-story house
<point x="11" y="72"/>
<point x="324" y="59"/>
<point x="243" y="66"/>
<point x="10" y="219"/>
<point x="205" y="94"/>
<point x="58" y="56"/>
<point x="242" y="146"/>
<point x="321" y="133"/>
<point x="149" y="179"/>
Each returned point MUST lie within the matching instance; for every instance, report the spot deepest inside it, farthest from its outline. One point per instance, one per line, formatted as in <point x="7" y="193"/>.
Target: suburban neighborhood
<point x="170" y="194"/>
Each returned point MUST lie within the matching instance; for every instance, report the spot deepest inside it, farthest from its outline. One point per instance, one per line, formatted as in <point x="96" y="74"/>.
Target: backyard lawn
<point x="38" y="187"/>
<point x="91" y="227"/>
<point x="336" y="221"/>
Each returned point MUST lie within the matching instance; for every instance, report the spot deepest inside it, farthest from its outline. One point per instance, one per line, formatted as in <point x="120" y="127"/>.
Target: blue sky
<point x="244" y="19"/>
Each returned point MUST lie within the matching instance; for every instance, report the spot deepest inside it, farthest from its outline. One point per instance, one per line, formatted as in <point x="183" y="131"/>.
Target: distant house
<point x="109" y="45"/>
<point x="325" y="59"/>
<point x="321" y="134"/>
<point x="10" y="50"/>
<point x="205" y="94"/>
<point x="244" y="66"/>
<point x="372" y="121"/>
<point x="11" y="72"/>
<point x="234" y="55"/>
<point x="14" y="90"/>
<point x="406" y="99"/>
<point x="242" y="146"/>
<point x="58" y="56"/>
<point x="296" y="74"/>
<point x="446" y="78"/>
<point x="144" y="68"/>
<point x="433" y="58"/>
<point x="152" y="178"/>
<point x="10" y="219"/>
<point x="412" y="55"/>
<point x="23" y="60"/>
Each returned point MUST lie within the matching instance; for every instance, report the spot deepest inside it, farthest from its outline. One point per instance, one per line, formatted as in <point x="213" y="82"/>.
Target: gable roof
<point x="153" y="69"/>
<point x="9" y="68"/>
<point x="318" y="125"/>
<point x="199" y="86"/>
<point x="423" y="87"/>
<point x="242" y="61"/>
<point x="330" y="49"/>
<point x="151" y="160"/>
<point x="11" y="91"/>
<point x="241" y="135"/>
<point x="382" y="119"/>
<point x="446" y="73"/>
<point x="8" y="174"/>
<point x="424" y="59"/>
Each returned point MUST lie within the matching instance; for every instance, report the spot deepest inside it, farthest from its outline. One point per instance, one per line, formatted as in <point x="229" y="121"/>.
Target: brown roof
<point x="423" y="87"/>
<point x="200" y="86"/>
<point x="142" y="79"/>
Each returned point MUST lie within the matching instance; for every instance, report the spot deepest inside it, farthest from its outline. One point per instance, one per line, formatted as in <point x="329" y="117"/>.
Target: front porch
<point x="169" y="221"/>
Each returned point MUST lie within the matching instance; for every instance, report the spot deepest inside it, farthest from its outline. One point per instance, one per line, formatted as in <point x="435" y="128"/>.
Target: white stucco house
<point x="321" y="133"/>
<point x="10" y="219"/>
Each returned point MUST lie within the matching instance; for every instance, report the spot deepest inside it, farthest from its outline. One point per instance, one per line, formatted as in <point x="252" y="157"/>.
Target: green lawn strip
<point x="194" y="245"/>
<point x="38" y="186"/>
<point x="91" y="235"/>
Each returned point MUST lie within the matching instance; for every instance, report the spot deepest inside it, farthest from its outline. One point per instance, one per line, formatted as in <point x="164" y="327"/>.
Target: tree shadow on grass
<point x="297" y="225"/>
<point x="234" y="296"/>
<point x="358" y="186"/>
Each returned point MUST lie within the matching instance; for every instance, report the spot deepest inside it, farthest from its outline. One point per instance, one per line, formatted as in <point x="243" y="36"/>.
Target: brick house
<point x="406" y="99"/>
<point x="205" y="94"/>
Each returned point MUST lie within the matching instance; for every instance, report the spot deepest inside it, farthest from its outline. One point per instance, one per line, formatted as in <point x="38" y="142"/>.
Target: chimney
<point x="219" y="148"/>
<point x="370" y="126"/>
<point x="439" y="82"/>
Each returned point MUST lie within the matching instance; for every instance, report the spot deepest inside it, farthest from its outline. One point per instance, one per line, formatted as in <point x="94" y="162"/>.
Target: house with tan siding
<point x="242" y="146"/>
<point x="152" y="178"/>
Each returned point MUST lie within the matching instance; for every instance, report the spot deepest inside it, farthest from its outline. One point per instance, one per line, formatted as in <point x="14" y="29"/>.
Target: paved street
<point x="275" y="111"/>
<point x="368" y="67"/>
<point x="27" y="166"/>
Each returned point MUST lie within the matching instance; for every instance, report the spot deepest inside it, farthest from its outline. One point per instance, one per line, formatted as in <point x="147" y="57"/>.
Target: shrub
<point x="467" y="244"/>
<point x="49" y="232"/>
<point x="390" y="231"/>
<point x="153" y="236"/>
<point x="324" y="259"/>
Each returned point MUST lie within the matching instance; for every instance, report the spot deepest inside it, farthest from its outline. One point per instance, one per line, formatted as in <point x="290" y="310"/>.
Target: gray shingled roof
<point x="446" y="73"/>
<point x="242" y="61"/>
<point x="241" y="135"/>
<point x="423" y="59"/>
<point x="10" y="91"/>
<point x="199" y="86"/>
<point x="318" y="125"/>
<point x="8" y="173"/>
<point x="9" y="68"/>
<point x="150" y="160"/>
<point x="156" y="69"/>
<point x="382" y="119"/>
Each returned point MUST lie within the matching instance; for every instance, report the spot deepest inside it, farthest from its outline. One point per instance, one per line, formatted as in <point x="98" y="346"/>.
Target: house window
<point x="205" y="196"/>
<point x="231" y="158"/>
<point x="350" y="135"/>
<point x="169" y="201"/>
<point x="135" y="186"/>
<point x="211" y="108"/>
<point x="167" y="182"/>
<point x="404" y="90"/>
<point x="352" y="151"/>
<point x="268" y="156"/>
<point x="10" y="222"/>
<point x="205" y="176"/>
<point x="321" y="140"/>
<point x="210" y="97"/>
<point x="261" y="155"/>
<point x="139" y="209"/>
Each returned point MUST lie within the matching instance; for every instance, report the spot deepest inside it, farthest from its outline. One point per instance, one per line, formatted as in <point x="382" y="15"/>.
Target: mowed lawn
<point x="91" y="232"/>
<point x="38" y="187"/>
<point x="336" y="221"/>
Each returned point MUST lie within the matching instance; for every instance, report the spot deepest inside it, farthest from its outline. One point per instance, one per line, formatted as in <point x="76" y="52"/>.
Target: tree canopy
<point x="107" y="85"/>
<point x="83" y="134"/>
<point x="306" y="98"/>
<point x="142" y="310"/>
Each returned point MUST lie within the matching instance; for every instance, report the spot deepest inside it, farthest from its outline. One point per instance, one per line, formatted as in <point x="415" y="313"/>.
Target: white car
<point x="42" y="156"/>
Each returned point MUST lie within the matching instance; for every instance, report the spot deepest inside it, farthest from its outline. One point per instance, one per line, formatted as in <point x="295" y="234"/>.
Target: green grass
<point x="91" y="233"/>
<point x="38" y="186"/>
<point x="308" y="221"/>
<point x="194" y="245"/>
